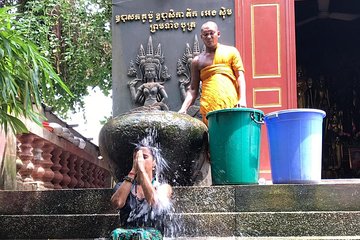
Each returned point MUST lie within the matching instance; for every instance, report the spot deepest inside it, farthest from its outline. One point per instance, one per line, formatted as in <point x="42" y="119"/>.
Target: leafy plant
<point x="75" y="35"/>
<point x="26" y="77"/>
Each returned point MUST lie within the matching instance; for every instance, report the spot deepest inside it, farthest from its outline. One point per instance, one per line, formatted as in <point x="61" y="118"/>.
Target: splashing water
<point x="163" y="208"/>
<point x="161" y="164"/>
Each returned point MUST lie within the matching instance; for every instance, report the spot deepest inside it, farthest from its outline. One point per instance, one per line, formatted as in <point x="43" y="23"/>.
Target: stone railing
<point x="46" y="161"/>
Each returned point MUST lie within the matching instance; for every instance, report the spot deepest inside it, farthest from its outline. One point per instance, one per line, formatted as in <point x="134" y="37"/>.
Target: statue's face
<point x="300" y="73"/>
<point x="150" y="72"/>
<point x="300" y="84"/>
<point x="310" y="82"/>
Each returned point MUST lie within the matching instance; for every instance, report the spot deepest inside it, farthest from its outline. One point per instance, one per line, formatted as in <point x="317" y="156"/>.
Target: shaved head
<point x="210" y="35"/>
<point x="210" y="25"/>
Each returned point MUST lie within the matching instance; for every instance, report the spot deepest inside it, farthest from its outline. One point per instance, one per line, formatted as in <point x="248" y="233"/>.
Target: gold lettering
<point x="179" y="15"/>
<point x="158" y="17"/>
<point x="143" y="17"/>
<point x="191" y="26"/>
<point x="117" y="19"/>
<point x="183" y="26"/>
<point x="171" y="13"/>
<point x="131" y="17"/>
<point x="123" y="18"/>
<point x="164" y="16"/>
<point x="154" y="27"/>
<point x="206" y="13"/>
<point x="167" y="18"/>
<point x="188" y="12"/>
<point x="222" y="12"/>
<point x="150" y="16"/>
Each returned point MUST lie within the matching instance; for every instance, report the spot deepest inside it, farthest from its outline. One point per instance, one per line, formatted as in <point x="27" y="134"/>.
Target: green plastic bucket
<point x="234" y="139"/>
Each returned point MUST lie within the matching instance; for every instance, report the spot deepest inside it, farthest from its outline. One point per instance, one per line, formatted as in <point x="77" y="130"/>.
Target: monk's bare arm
<point x="242" y="85"/>
<point x="193" y="90"/>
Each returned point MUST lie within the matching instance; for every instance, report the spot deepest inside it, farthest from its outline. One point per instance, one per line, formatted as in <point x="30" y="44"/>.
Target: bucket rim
<point x="234" y="110"/>
<point x="296" y="110"/>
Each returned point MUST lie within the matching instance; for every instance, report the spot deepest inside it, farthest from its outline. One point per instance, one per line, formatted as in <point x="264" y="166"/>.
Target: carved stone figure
<point x="147" y="86"/>
<point x="301" y="88"/>
<point x="335" y="131"/>
<point x="310" y="94"/>
<point x="323" y="95"/>
<point x="183" y="69"/>
<point x="184" y="66"/>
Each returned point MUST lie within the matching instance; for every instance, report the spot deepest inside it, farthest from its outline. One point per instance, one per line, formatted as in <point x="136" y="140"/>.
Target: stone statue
<point x="183" y="69"/>
<point x="310" y="96"/>
<point x="335" y="131"/>
<point x="147" y="86"/>
<point x="301" y="88"/>
<point x="184" y="66"/>
<point x="355" y="112"/>
<point x="323" y="95"/>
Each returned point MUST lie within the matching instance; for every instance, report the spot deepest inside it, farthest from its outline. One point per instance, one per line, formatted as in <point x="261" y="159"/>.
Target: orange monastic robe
<point x="219" y="85"/>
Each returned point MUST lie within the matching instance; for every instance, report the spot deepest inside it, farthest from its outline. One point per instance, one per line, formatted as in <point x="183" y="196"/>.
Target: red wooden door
<point x="265" y="36"/>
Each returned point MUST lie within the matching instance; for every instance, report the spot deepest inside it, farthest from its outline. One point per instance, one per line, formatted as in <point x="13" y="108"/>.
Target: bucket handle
<point x="275" y="115"/>
<point x="252" y="115"/>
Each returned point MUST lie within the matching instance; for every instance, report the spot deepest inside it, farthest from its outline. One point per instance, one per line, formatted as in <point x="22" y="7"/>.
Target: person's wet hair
<point x="154" y="151"/>
<point x="150" y="142"/>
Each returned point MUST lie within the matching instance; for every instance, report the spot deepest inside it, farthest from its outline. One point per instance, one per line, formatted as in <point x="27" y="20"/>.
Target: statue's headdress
<point x="150" y="57"/>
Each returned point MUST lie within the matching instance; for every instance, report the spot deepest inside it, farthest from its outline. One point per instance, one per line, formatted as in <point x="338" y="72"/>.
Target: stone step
<point x="269" y="198"/>
<point x="324" y="210"/>
<point x="268" y="224"/>
<point x="186" y="225"/>
<point x="269" y="238"/>
<point x="75" y="201"/>
<point x="72" y="226"/>
<point x="239" y="198"/>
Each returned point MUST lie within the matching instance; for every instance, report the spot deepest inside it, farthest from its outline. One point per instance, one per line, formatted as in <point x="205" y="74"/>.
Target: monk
<point x="221" y="72"/>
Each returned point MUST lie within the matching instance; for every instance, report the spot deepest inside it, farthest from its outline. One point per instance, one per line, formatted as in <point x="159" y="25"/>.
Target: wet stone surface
<point x="182" y="140"/>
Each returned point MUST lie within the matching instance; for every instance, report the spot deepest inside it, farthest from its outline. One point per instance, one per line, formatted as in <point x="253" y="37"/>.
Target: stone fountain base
<point x="182" y="139"/>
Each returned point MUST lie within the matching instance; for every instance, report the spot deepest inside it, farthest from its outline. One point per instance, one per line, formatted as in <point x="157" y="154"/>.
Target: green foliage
<point x="75" y="35"/>
<point x="25" y="77"/>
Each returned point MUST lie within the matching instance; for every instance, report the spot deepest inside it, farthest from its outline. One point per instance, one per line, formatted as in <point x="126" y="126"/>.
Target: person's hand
<point x="140" y="161"/>
<point x="134" y="168"/>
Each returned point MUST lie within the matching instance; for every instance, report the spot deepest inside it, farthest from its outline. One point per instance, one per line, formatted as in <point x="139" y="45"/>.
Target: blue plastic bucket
<point x="295" y="143"/>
